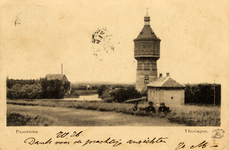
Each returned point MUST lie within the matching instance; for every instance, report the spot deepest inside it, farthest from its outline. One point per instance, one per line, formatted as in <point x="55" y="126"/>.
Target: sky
<point x="37" y="36"/>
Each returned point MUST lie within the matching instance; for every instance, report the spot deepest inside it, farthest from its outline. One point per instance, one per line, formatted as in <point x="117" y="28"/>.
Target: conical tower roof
<point x="147" y="32"/>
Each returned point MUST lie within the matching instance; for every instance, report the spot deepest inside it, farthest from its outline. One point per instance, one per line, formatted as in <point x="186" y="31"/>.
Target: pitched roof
<point x="55" y="76"/>
<point x="165" y="82"/>
<point x="146" y="34"/>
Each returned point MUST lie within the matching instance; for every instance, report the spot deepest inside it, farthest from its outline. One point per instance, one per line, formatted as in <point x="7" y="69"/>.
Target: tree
<point x="13" y="93"/>
<point x="53" y="88"/>
<point x="101" y="89"/>
<point x="120" y="95"/>
<point x="203" y="93"/>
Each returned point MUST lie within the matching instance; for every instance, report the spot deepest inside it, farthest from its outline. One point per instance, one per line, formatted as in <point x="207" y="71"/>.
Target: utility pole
<point x="214" y="92"/>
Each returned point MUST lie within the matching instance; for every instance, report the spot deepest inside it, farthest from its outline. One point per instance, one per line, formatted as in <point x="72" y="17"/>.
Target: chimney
<point x="62" y="69"/>
<point x="167" y="74"/>
<point x="160" y="75"/>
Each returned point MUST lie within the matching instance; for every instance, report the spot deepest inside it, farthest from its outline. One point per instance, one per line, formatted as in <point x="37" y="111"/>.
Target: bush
<point x="72" y="94"/>
<point x="144" y="93"/>
<point x="107" y="96"/>
<point x="120" y="95"/>
<point x="101" y="90"/>
<point x="24" y="91"/>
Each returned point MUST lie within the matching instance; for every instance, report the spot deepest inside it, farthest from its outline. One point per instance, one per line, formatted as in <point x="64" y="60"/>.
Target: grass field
<point x="196" y="115"/>
<point x="18" y="119"/>
<point x="189" y="115"/>
<point x="54" y="116"/>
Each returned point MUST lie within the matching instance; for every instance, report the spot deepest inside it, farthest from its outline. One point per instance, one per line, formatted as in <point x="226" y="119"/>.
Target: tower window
<point x="146" y="79"/>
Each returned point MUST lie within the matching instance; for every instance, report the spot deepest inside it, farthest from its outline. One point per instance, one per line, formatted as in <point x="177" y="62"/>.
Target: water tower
<point x="146" y="52"/>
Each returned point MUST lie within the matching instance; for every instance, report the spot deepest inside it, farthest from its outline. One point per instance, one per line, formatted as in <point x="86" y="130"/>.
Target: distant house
<point x="61" y="77"/>
<point x="167" y="90"/>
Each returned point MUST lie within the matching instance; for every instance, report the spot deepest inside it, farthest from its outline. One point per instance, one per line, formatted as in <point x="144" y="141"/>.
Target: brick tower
<point x="146" y="52"/>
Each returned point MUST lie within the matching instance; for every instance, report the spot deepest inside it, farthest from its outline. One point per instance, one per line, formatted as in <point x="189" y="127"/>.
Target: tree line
<point x="36" y="89"/>
<point x="203" y="93"/>
<point x="194" y="93"/>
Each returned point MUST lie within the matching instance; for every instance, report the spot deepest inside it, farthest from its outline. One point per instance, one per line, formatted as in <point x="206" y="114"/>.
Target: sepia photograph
<point x="151" y="64"/>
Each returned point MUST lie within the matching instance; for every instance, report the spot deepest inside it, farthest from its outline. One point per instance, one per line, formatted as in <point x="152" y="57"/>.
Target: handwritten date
<point x="62" y="134"/>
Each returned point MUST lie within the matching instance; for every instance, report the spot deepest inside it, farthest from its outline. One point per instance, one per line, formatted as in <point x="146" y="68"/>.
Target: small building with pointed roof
<point x="61" y="77"/>
<point x="167" y="90"/>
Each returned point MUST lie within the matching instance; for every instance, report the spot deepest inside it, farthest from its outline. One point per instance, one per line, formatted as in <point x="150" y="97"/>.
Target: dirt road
<point x="80" y="117"/>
